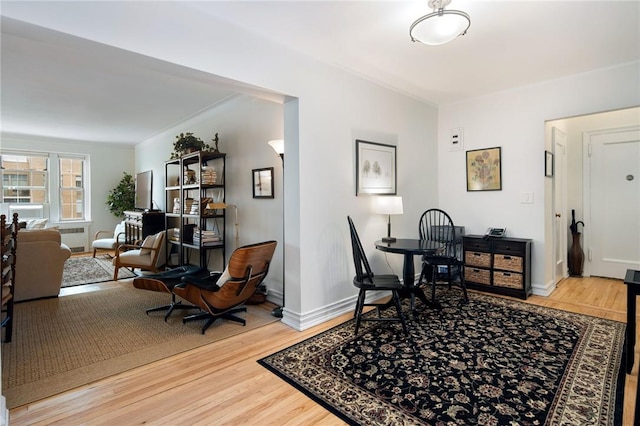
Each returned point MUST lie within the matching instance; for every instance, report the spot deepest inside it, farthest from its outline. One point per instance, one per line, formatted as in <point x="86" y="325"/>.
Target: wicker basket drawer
<point x="507" y="262"/>
<point x="476" y="275"/>
<point x="507" y="279"/>
<point x="477" y="258"/>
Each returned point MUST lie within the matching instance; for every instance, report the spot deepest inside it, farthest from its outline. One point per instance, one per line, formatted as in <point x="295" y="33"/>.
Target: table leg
<point x="408" y="275"/>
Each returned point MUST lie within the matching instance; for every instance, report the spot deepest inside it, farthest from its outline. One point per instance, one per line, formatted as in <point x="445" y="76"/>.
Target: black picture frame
<point x="263" y="182"/>
<point x="376" y="172"/>
<point x="484" y="169"/>
<point x="548" y="164"/>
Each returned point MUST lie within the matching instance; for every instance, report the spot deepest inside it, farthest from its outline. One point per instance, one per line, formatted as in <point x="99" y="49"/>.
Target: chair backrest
<point x="436" y="225"/>
<point x="118" y="232"/>
<point x="363" y="270"/>
<point x="248" y="267"/>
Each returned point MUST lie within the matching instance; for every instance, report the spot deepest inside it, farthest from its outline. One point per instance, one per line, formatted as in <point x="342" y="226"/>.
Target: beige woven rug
<point x="59" y="344"/>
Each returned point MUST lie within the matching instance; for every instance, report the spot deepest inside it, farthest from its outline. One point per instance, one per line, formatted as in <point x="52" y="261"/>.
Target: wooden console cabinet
<point x="140" y="224"/>
<point x="497" y="265"/>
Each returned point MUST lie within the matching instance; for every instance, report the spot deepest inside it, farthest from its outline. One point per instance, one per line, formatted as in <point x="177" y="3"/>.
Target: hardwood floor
<point x="222" y="383"/>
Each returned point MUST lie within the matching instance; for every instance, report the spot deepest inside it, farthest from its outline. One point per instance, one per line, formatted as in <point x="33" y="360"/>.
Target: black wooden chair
<point x="365" y="280"/>
<point x="436" y="225"/>
<point x="8" y="244"/>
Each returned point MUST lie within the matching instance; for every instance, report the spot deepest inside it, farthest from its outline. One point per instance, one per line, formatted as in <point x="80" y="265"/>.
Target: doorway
<point x="578" y="180"/>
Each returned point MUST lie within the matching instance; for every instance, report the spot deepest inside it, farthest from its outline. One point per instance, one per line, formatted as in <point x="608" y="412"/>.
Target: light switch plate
<point x="526" y="198"/>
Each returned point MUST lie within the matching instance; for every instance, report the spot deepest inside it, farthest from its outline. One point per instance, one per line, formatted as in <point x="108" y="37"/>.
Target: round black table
<point x="409" y="248"/>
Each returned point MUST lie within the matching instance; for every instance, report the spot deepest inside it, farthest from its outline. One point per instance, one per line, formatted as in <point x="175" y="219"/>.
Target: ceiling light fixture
<point x="441" y="26"/>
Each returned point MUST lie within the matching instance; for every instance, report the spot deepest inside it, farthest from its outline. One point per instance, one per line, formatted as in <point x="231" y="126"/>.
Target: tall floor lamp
<point x="278" y="147"/>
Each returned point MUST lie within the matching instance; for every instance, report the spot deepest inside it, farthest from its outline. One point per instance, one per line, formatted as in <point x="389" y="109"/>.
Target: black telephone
<point x="495" y="232"/>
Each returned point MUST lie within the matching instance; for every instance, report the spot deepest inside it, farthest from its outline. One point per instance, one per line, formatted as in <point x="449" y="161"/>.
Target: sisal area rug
<point x="59" y="344"/>
<point x="492" y="361"/>
<point x="87" y="270"/>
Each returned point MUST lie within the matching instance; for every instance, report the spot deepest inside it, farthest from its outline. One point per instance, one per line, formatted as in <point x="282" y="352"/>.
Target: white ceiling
<point x="61" y="86"/>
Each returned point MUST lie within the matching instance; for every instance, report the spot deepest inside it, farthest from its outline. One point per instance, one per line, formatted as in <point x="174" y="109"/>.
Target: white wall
<point x="515" y="121"/>
<point x="107" y="163"/>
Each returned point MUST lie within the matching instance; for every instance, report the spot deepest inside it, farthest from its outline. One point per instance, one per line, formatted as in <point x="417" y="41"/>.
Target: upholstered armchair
<point x="149" y="256"/>
<point x="110" y="239"/>
<point x="40" y="258"/>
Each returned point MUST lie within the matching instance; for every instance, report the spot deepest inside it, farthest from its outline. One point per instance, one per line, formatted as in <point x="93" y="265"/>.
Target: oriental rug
<point x="88" y="270"/>
<point x="62" y="343"/>
<point x="493" y="361"/>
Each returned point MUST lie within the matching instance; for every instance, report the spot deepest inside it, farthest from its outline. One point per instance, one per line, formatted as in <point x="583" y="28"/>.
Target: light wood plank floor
<point x="222" y="383"/>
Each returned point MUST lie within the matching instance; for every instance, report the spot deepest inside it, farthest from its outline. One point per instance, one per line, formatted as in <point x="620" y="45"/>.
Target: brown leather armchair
<point x="222" y="295"/>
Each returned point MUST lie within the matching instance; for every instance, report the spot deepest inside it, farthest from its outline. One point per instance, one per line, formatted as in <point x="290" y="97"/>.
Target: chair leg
<point x="212" y="318"/>
<point x="396" y="300"/>
<point x="359" y="307"/>
<point x="434" y="278"/>
<point x="170" y="307"/>
<point x="463" y="284"/>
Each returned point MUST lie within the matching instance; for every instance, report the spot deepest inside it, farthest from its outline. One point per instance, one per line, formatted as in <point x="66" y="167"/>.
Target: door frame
<point x="559" y="184"/>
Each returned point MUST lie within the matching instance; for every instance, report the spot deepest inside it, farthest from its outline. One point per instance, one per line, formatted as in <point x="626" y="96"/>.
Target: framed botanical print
<point x="263" y="183"/>
<point x="375" y="168"/>
<point x="484" y="169"/>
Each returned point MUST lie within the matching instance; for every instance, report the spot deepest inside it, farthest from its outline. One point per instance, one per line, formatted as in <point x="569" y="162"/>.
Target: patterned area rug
<point x="492" y="361"/>
<point x="87" y="270"/>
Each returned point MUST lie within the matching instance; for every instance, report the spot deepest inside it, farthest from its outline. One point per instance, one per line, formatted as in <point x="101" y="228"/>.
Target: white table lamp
<point x="388" y="206"/>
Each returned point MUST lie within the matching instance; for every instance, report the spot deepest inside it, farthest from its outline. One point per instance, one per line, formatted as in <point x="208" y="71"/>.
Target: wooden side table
<point x="632" y="280"/>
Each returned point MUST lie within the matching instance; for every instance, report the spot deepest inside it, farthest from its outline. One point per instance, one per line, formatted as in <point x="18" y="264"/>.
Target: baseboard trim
<point x="4" y="413"/>
<point x="543" y="290"/>
<point x="302" y="321"/>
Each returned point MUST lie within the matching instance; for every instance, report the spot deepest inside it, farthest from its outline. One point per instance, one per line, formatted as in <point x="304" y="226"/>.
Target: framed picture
<point x="263" y="183"/>
<point x="548" y="164"/>
<point x="375" y="168"/>
<point x="484" y="170"/>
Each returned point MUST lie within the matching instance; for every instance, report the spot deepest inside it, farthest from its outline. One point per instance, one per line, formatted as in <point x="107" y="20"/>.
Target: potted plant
<point x="123" y="196"/>
<point x="186" y="143"/>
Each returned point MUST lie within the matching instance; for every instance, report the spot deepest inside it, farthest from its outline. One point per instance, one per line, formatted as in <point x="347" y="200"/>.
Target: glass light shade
<point x="388" y="205"/>
<point x="277" y="145"/>
<point x="440" y="27"/>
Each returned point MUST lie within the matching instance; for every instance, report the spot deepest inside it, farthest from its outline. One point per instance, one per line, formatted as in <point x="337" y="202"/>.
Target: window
<point x="57" y="182"/>
<point x="71" y="188"/>
<point x="24" y="179"/>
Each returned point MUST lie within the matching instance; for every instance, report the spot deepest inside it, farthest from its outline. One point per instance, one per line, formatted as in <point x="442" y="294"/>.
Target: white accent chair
<point x="150" y="256"/>
<point x="109" y="243"/>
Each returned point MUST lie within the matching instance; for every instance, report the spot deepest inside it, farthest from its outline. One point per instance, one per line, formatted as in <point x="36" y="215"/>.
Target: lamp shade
<point x="277" y="145"/>
<point x="441" y="26"/>
<point x="388" y="205"/>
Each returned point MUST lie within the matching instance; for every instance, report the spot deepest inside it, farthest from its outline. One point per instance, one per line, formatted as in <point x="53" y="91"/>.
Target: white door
<point x="560" y="203"/>
<point x="613" y="228"/>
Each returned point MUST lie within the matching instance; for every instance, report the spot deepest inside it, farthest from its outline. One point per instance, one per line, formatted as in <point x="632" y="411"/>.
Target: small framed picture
<point x="375" y="168"/>
<point x="484" y="169"/>
<point x="548" y="164"/>
<point x="263" y="183"/>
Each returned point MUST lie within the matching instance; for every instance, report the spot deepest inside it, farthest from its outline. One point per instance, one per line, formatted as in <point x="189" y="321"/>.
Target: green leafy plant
<point x="123" y="196"/>
<point x="186" y="142"/>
